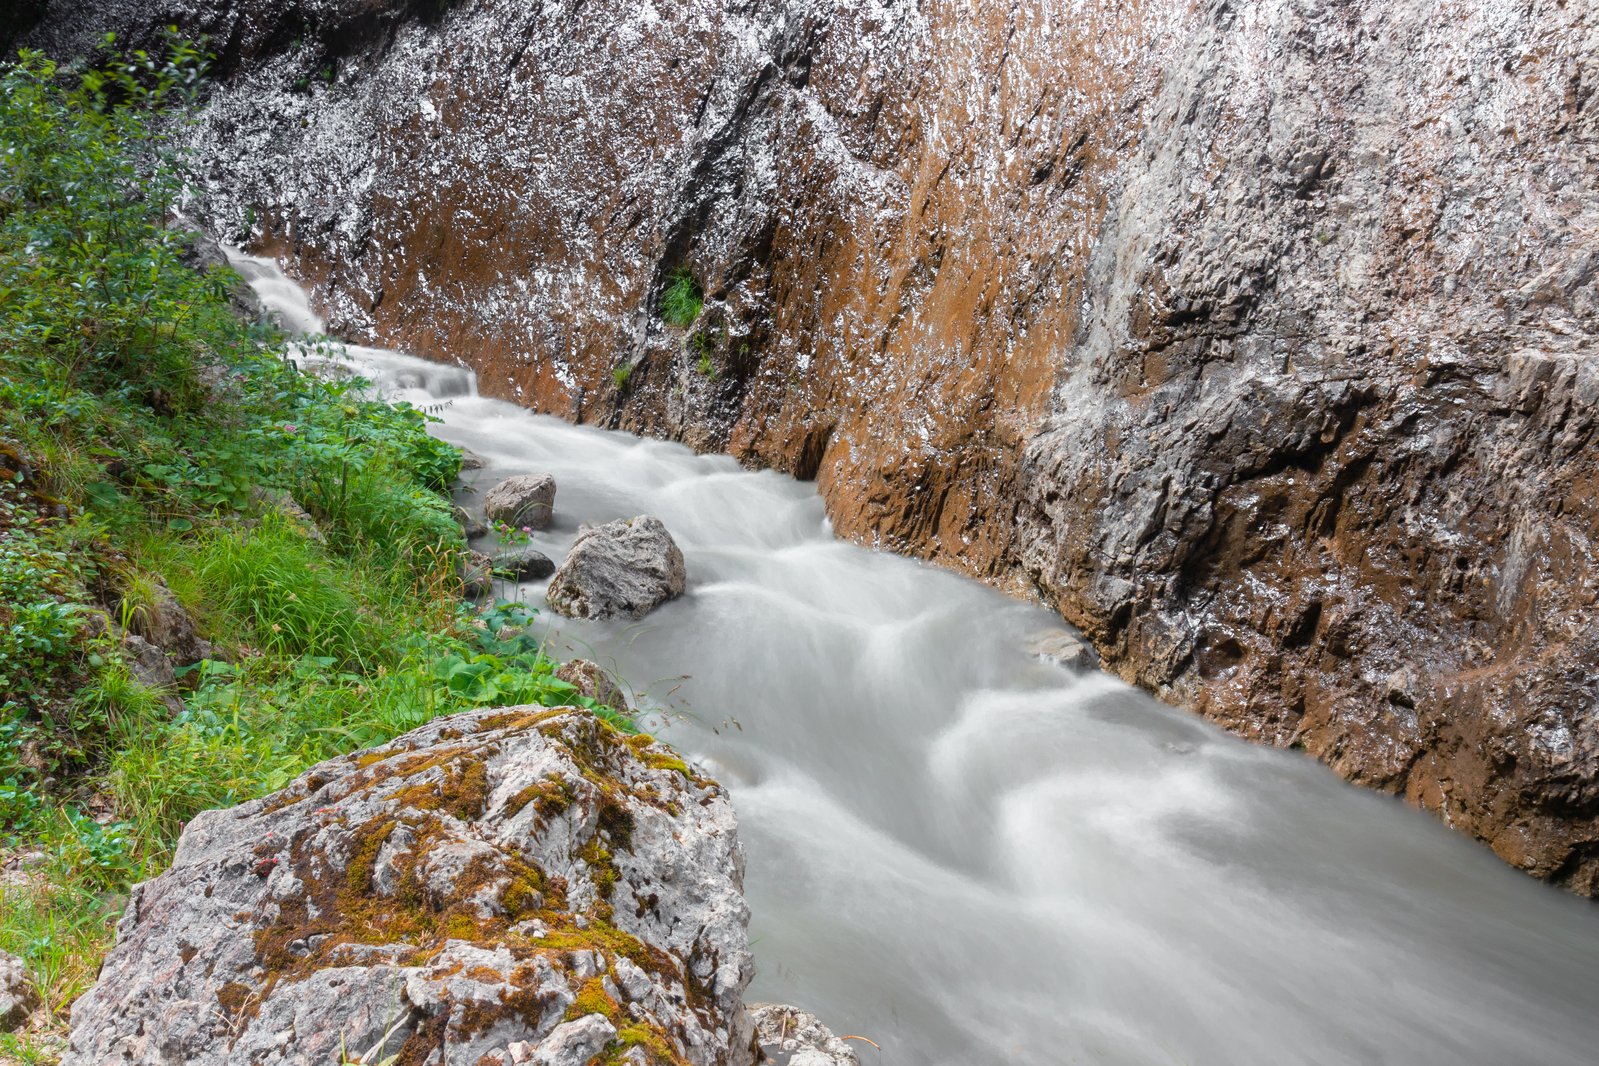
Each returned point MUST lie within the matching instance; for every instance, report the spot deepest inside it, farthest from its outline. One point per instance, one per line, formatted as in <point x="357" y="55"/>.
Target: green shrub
<point x="38" y="623"/>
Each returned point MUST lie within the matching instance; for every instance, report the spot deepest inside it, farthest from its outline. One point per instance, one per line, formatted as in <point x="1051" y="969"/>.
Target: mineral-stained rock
<point x="798" y="1038"/>
<point x="19" y="996"/>
<point x="524" y="500"/>
<point x="621" y="568"/>
<point x="1257" y="337"/>
<point x="524" y="563"/>
<point x="519" y="878"/>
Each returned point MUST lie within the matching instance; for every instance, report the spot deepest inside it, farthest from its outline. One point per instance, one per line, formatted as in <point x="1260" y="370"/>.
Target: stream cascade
<point x="974" y="856"/>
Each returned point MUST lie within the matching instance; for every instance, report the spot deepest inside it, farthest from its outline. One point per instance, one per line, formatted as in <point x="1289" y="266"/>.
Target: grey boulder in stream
<point x="525" y="500"/>
<point x="624" y="568"/>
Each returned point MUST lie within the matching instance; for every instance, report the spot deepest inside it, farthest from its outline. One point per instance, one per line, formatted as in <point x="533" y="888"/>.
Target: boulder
<point x="524" y="500"/>
<point x="1064" y="649"/>
<point x="513" y="885"/>
<point x="622" y="568"/>
<point x="19" y="996"/>
<point x="592" y="682"/>
<point x="150" y="667"/>
<point x="163" y="622"/>
<point x="523" y="562"/>
<point x="798" y="1038"/>
<point x="471" y="460"/>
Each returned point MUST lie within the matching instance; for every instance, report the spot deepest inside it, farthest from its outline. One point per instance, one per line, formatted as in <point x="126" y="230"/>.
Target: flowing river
<point x="974" y="857"/>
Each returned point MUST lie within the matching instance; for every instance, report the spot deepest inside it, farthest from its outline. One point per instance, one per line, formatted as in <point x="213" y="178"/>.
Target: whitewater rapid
<point x="975" y="857"/>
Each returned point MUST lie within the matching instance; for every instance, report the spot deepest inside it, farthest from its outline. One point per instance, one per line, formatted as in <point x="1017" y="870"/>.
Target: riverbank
<point x="215" y="571"/>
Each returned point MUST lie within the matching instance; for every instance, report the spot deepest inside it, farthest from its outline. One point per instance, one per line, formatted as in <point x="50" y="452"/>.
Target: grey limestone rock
<point x="164" y="623"/>
<point x="150" y="666"/>
<point x="524" y="563"/>
<point x="593" y="682"/>
<point x="798" y="1038"/>
<point x="1063" y="648"/>
<point x="622" y="568"/>
<point x="524" y="500"/>
<point x="513" y="885"/>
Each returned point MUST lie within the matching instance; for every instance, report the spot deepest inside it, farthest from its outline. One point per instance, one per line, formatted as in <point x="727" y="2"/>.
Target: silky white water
<point x="973" y="857"/>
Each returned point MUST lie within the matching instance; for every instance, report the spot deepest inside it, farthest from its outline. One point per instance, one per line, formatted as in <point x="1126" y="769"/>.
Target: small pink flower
<point x="527" y="529"/>
<point x="289" y="427"/>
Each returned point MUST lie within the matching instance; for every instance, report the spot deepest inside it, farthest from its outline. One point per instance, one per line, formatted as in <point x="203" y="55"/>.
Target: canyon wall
<point x="1255" y="336"/>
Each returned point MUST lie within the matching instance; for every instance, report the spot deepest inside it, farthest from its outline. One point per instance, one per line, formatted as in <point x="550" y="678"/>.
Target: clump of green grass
<point x="281" y="588"/>
<point x="682" y="299"/>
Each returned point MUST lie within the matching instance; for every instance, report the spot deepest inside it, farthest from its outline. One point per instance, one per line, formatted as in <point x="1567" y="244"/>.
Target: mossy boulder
<point x="501" y="886"/>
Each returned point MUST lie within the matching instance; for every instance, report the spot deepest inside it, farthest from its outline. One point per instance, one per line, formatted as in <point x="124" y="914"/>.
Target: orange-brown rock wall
<point x="1256" y="337"/>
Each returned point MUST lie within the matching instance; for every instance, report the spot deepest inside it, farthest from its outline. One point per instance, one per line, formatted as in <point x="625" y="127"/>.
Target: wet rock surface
<point x="524" y="563"/>
<point x="792" y="1037"/>
<point x="525" y="500"/>
<point x="516" y="885"/>
<point x="625" y="568"/>
<point x="1256" y="338"/>
<point x="1322" y="456"/>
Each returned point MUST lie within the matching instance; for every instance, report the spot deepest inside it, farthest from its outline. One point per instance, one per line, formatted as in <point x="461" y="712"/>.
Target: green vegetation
<point x="702" y="344"/>
<point x="682" y="299"/>
<point x="155" y="454"/>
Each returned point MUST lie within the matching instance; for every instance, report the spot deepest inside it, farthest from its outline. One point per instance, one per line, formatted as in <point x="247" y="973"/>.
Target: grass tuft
<point x="682" y="299"/>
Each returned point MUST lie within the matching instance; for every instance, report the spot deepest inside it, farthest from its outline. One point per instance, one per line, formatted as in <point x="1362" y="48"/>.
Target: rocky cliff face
<point x="1256" y="336"/>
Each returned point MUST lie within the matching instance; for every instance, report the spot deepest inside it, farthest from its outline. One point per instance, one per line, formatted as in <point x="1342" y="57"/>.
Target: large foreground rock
<point x="503" y="886"/>
<point x="621" y="568"/>
<point x="525" y="500"/>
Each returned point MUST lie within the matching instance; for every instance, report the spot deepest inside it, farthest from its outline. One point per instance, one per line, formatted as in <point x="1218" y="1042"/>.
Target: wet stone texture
<point x="1256" y="337"/>
<point x="1322" y="460"/>
<point x="515" y="885"/>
